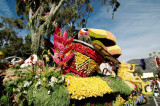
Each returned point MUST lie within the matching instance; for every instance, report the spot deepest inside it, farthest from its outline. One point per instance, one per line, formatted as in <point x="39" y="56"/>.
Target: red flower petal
<point x="58" y="30"/>
<point x="58" y="45"/>
<point x="69" y="41"/>
<point x="65" y="36"/>
<point x="60" y="55"/>
<point x="57" y="60"/>
<point x="66" y="50"/>
<point x="57" y="38"/>
<point x="32" y="57"/>
<point x="53" y="50"/>
<point x="68" y="57"/>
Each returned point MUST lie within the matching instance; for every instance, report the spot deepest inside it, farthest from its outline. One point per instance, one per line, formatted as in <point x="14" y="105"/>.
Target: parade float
<point x="85" y="71"/>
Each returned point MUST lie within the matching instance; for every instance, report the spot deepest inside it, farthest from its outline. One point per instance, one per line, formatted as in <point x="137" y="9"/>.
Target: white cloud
<point x="136" y="26"/>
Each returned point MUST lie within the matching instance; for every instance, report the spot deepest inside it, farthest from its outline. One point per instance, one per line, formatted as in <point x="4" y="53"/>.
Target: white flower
<point x="25" y="92"/>
<point x="27" y="84"/>
<point x="63" y="78"/>
<point x="46" y="57"/>
<point x="35" y="58"/>
<point x="67" y="82"/>
<point x="38" y="83"/>
<point x="17" y="89"/>
<point x="54" y="79"/>
<point x="36" y="76"/>
<point x="49" y="92"/>
<point x="28" y="61"/>
<point x="44" y="79"/>
<point x="51" y="84"/>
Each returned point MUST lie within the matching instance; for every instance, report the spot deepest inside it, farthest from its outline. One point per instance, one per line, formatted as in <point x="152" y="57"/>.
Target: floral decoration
<point x="27" y="88"/>
<point x="88" y="51"/>
<point x="62" y="46"/>
<point x="85" y="62"/>
<point x="131" y="85"/>
<point x="81" y="88"/>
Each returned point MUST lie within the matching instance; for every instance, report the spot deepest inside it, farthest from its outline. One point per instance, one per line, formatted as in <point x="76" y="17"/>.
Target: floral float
<point x="125" y="72"/>
<point x="76" y="78"/>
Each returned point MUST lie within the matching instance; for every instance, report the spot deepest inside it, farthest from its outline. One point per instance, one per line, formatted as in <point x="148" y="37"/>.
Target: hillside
<point x="149" y="64"/>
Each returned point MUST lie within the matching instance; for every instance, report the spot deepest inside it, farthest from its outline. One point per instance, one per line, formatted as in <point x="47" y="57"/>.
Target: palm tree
<point x="150" y="54"/>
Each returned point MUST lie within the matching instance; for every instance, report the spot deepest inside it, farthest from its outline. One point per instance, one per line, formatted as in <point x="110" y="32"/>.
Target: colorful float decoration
<point x="125" y="72"/>
<point x="87" y="72"/>
<point x="157" y="62"/>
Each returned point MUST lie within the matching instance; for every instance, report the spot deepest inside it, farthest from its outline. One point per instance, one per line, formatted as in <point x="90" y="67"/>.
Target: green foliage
<point x="50" y="74"/>
<point x="40" y="97"/>
<point x="10" y="43"/>
<point x="46" y="88"/>
<point x="3" y="100"/>
<point x="12" y="23"/>
<point x="26" y="47"/>
<point x="117" y="85"/>
<point x="9" y="89"/>
<point x="17" y="87"/>
<point x="17" y="66"/>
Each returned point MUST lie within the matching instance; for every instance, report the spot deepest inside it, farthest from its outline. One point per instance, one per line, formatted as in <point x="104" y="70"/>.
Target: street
<point x="155" y="101"/>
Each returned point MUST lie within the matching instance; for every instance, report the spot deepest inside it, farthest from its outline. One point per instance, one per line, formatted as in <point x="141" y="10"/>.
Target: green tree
<point x="42" y="15"/>
<point x="150" y="54"/>
<point x="155" y="53"/>
<point x="10" y="43"/>
<point x="26" y="48"/>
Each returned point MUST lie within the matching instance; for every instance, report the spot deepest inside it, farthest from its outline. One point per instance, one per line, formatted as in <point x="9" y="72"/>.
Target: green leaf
<point x="88" y="104"/>
<point x="19" y="95"/>
<point x="17" y="66"/>
<point x="8" y="83"/>
<point x="21" y="104"/>
<point x="14" y="89"/>
<point x="73" y="104"/>
<point x="30" y="71"/>
<point x="4" y="100"/>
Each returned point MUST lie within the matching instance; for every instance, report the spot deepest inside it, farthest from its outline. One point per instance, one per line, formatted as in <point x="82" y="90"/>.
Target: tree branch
<point x="38" y="10"/>
<point x="54" y="10"/>
<point x="52" y="14"/>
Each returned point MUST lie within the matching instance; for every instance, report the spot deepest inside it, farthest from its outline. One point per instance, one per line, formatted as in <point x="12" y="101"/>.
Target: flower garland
<point x="88" y="52"/>
<point x="81" y="88"/>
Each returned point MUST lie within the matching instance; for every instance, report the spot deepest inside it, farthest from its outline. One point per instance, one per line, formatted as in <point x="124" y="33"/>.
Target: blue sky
<point x="7" y="9"/>
<point x="136" y="25"/>
<point x="4" y="9"/>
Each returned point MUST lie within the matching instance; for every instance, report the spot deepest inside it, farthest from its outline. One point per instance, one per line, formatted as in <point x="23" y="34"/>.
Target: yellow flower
<point x="46" y="57"/>
<point x="81" y="88"/>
